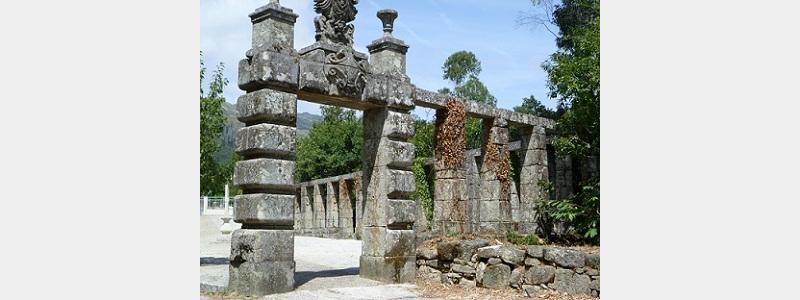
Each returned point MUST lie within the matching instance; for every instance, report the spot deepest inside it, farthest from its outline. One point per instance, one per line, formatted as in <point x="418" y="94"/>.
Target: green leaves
<point x="460" y="66"/>
<point x="423" y="194"/>
<point x="212" y="121"/>
<point x="332" y="147"/>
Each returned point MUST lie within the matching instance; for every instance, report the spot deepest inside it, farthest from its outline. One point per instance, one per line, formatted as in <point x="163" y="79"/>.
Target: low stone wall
<point x="533" y="269"/>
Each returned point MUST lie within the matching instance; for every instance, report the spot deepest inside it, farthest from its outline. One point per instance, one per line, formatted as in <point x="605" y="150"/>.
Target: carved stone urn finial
<point x="387" y="16"/>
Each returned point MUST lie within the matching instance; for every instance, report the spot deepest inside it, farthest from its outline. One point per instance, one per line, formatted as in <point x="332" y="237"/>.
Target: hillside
<point x="228" y="137"/>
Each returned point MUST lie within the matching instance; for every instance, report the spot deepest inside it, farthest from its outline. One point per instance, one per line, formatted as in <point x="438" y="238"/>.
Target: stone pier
<point x="262" y="252"/>
<point x="533" y="174"/>
<point x="494" y="209"/>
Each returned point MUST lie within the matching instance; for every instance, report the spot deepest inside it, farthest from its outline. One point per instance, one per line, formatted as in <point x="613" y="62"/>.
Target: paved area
<point x="325" y="268"/>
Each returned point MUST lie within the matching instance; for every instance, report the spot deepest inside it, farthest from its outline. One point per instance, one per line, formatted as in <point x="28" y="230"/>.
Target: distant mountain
<point x="228" y="137"/>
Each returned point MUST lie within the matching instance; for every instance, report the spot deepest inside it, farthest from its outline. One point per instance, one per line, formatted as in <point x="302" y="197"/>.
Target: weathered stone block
<point x="391" y="63"/>
<point x="495" y="211"/>
<point x="566" y="281"/>
<point x="399" y="155"/>
<point x="398" y="125"/>
<point x="463" y="270"/>
<point x="468" y="248"/>
<point x="388" y="269"/>
<point x="400" y="212"/>
<point x="450" y="190"/>
<point x="261" y="278"/>
<point x="273" y="69"/>
<point x="267" y="106"/>
<point x="540" y="274"/>
<point x="449" y="210"/>
<point x="265" y="174"/>
<point x="565" y="257"/>
<point x="266" y="139"/>
<point x="427" y="253"/>
<point x="265" y="209"/>
<point x="496" y="277"/>
<point x="312" y="77"/>
<point x="441" y="172"/>
<point x="387" y="91"/>
<point x="512" y="255"/>
<point x="384" y="242"/>
<point x="516" y="277"/>
<point x="257" y="246"/>
<point x="401" y="183"/>
<point x="532" y="262"/>
<point x="273" y="28"/>
<point x="593" y="261"/>
<point x="536" y="251"/>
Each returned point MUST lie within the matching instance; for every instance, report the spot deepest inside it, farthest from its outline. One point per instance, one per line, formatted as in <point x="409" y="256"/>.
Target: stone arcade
<point x="331" y="72"/>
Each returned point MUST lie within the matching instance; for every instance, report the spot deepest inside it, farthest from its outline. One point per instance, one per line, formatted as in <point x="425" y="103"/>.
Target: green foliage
<point x="423" y="194"/>
<point x="531" y="105"/>
<point x="474" y="90"/>
<point x="522" y="239"/>
<point x="213" y="176"/>
<point x="581" y="211"/>
<point x="574" y="77"/>
<point x="423" y="138"/>
<point x="460" y="66"/>
<point x="332" y="147"/>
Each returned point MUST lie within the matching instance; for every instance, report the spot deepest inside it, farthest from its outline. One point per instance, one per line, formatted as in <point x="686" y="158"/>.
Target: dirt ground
<point x="433" y="288"/>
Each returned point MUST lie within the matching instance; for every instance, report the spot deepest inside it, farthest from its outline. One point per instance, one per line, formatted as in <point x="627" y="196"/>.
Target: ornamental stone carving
<point x="333" y="24"/>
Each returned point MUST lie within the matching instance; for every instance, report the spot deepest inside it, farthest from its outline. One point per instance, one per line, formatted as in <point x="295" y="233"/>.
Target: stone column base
<point x="389" y="269"/>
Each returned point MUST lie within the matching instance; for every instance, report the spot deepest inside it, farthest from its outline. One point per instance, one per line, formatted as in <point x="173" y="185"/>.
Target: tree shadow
<point x="214" y="261"/>
<point x="303" y="277"/>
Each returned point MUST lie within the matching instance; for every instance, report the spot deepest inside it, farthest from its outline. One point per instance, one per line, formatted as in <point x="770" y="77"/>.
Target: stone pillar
<point x="262" y="252"/>
<point x="319" y="212"/>
<point x="473" y="183"/>
<point x="388" y="251"/>
<point x="450" y="199"/>
<point x="346" y="215"/>
<point x="306" y="200"/>
<point x="205" y="204"/>
<point x="533" y="156"/>
<point x="331" y="210"/>
<point x="495" y="206"/>
<point x="358" y="192"/>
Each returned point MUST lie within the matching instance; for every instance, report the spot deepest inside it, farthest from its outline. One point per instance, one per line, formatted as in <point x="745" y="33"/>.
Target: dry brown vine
<point x="450" y="134"/>
<point x="497" y="159"/>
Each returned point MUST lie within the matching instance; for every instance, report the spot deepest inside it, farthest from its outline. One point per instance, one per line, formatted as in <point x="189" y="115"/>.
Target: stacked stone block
<point x="388" y="251"/>
<point x="346" y="212"/>
<point x="495" y="205"/>
<point x="262" y="252"/>
<point x="533" y="173"/>
<point x="450" y="201"/>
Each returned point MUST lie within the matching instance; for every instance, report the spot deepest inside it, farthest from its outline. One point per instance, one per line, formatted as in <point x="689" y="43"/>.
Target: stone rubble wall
<point x="532" y="269"/>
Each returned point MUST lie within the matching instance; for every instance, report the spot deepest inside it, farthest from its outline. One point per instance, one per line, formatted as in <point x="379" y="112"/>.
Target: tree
<point x="212" y="121"/>
<point x="460" y="66"/>
<point x="332" y="147"/>
<point x="532" y="106"/>
<point x="573" y="77"/>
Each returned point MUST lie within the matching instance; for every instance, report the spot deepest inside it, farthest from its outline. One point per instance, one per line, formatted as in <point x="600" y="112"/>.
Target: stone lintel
<point x="388" y="91"/>
<point x="435" y="100"/>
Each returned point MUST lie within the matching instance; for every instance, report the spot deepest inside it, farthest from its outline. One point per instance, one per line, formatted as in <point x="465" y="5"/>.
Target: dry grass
<point x="432" y="288"/>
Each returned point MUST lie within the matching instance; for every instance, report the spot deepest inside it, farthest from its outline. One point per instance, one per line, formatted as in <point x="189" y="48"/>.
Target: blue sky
<point x="510" y="55"/>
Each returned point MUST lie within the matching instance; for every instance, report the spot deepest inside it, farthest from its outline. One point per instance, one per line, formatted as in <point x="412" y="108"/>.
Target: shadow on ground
<point x="303" y="277"/>
<point x="204" y="261"/>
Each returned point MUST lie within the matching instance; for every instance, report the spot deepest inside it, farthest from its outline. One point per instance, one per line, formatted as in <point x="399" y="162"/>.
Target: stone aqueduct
<point x="274" y="75"/>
